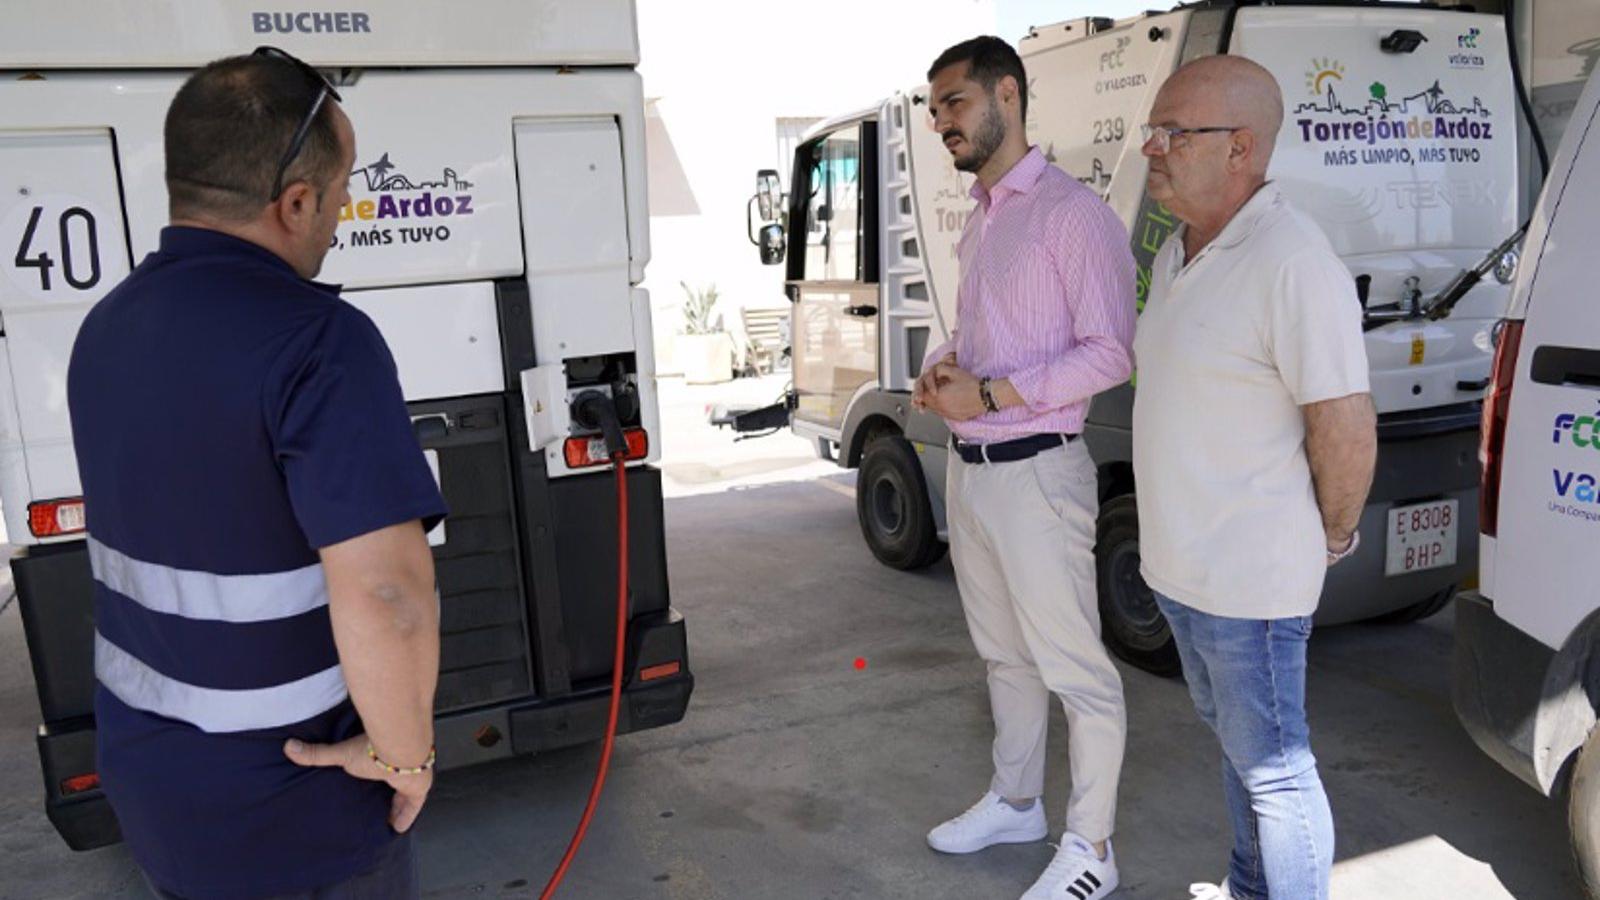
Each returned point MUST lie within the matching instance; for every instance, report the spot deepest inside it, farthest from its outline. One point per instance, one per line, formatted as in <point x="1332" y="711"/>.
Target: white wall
<point x="722" y="72"/>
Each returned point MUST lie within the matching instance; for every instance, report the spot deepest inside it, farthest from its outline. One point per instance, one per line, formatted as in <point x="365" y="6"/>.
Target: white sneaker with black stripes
<point x="1077" y="873"/>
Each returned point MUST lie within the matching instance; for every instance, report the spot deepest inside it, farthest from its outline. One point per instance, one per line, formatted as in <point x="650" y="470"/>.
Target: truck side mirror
<point x="769" y="238"/>
<point x="769" y="195"/>
<point x="773" y="244"/>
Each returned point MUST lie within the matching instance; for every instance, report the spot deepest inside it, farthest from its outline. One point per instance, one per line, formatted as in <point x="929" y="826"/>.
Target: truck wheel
<point x="1583" y="813"/>
<point x="893" y="507"/>
<point x="1416" y="612"/>
<point x="1131" y="624"/>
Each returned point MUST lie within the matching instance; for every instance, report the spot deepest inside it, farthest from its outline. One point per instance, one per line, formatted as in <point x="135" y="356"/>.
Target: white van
<point x="1400" y="140"/>
<point x="1527" y="655"/>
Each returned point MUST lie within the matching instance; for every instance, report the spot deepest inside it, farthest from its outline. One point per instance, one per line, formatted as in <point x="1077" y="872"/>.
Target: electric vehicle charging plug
<point x="595" y="411"/>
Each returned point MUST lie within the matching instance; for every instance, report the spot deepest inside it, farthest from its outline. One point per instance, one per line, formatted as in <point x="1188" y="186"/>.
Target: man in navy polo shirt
<point x="257" y="502"/>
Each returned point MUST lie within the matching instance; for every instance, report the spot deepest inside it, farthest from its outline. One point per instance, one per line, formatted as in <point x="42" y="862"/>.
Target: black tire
<point x="1416" y="612"/>
<point x="1131" y="624"/>
<point x="893" y="507"/>
<point x="1583" y="813"/>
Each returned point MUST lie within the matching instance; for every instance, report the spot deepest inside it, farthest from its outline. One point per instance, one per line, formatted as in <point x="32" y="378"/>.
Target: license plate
<point x="1422" y="537"/>
<point x="436" y="536"/>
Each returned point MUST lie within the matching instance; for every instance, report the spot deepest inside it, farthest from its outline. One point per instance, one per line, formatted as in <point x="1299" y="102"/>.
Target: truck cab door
<point x="833" y="272"/>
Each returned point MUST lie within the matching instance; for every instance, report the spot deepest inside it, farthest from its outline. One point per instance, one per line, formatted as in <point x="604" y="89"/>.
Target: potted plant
<point x="704" y="349"/>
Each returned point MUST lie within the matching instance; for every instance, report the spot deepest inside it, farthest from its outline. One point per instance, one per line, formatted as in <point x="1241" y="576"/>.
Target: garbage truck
<point x="1400" y="138"/>
<point x="497" y="235"/>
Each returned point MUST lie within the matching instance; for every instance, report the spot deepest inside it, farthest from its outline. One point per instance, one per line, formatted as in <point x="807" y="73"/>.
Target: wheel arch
<point x="870" y="426"/>
<point x="1569" y="704"/>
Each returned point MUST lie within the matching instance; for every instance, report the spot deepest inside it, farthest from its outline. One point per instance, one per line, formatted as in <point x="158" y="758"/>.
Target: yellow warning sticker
<point x="1418" y="348"/>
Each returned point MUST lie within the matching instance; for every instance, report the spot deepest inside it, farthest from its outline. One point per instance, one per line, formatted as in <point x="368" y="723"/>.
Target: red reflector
<point x="582" y="452"/>
<point x="665" y="670"/>
<point x="1492" y="431"/>
<point x="77" y="784"/>
<point x="51" y="518"/>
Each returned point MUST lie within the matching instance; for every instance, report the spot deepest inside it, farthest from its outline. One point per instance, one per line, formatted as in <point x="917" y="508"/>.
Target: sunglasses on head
<point x="324" y="90"/>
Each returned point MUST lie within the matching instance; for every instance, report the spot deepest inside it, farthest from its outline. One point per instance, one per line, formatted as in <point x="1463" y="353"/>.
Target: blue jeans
<point x="1248" y="681"/>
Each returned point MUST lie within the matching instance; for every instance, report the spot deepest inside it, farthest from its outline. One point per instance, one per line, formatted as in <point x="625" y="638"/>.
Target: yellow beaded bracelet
<point x="427" y="764"/>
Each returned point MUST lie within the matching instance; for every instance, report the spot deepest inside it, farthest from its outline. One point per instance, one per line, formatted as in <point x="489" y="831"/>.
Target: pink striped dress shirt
<point x="1046" y="300"/>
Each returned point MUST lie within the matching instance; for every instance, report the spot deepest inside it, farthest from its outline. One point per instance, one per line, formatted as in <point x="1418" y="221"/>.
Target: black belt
<point x="1009" y="451"/>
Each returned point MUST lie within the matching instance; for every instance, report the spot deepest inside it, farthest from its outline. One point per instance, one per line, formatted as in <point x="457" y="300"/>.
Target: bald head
<point x="1218" y="119"/>
<point x="1233" y="91"/>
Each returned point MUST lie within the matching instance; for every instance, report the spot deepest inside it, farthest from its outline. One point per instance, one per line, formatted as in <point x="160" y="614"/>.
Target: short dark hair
<point x="992" y="59"/>
<point x="229" y="127"/>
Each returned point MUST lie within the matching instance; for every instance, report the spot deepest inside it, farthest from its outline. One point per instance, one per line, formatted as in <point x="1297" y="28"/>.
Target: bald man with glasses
<point x="1250" y="347"/>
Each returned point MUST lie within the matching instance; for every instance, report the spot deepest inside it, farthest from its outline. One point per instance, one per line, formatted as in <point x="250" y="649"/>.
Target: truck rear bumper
<point x="85" y="820"/>
<point x="1498" y="685"/>
<point x="1413" y="467"/>
<point x="1358" y="587"/>
<point x="1415" y="464"/>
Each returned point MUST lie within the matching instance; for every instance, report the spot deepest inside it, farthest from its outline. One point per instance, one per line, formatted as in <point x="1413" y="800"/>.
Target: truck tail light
<point x="78" y="784"/>
<point x="1492" y="433"/>
<point x="665" y="670"/>
<point x="54" y="518"/>
<point x="590" y="450"/>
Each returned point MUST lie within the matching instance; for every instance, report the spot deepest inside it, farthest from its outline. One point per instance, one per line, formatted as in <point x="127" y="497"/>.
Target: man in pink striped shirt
<point x="1044" y="322"/>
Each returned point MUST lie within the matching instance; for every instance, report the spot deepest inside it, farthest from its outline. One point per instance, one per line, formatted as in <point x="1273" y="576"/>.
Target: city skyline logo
<point x="399" y="196"/>
<point x="1429" y="114"/>
<point x="382" y="177"/>
<point x="1379" y="129"/>
<point x="1435" y="102"/>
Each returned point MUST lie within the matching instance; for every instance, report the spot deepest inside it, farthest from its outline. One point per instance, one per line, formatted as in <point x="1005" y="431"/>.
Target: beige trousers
<point x="1022" y="540"/>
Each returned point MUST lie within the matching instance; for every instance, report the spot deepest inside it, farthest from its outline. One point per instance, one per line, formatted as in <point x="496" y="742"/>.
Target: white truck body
<point x="497" y="234"/>
<point x="1420" y="205"/>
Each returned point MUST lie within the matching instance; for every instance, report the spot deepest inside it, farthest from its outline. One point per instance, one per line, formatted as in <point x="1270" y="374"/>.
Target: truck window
<point x="833" y="209"/>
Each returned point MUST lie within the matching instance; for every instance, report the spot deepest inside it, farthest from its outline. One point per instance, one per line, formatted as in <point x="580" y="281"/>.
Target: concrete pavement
<point x="797" y="776"/>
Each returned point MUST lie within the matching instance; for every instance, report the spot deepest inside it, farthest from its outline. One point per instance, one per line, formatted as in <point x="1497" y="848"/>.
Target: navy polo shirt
<point x="230" y="418"/>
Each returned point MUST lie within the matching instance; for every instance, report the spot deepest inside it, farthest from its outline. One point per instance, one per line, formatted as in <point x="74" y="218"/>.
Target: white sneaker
<point x="1205" y="891"/>
<point x="1077" y="873"/>
<point x="990" y="821"/>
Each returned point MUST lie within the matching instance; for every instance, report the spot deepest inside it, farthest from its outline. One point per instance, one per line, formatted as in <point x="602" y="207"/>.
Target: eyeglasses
<point x="1163" y="135"/>
<point x="324" y="90"/>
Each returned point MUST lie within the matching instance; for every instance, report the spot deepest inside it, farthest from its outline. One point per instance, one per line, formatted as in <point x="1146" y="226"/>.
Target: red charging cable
<point x="616" y="679"/>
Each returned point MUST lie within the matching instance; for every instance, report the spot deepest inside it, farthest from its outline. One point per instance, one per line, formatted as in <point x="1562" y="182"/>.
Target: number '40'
<point x="44" y="263"/>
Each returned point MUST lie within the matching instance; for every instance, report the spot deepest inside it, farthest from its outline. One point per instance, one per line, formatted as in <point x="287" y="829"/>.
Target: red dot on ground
<point x="861" y="662"/>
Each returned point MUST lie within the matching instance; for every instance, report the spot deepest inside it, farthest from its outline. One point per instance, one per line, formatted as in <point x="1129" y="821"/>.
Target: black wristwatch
<point x="987" y="396"/>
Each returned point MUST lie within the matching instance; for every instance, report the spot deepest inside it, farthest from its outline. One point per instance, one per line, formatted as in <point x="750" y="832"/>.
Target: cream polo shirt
<point x="1261" y="322"/>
